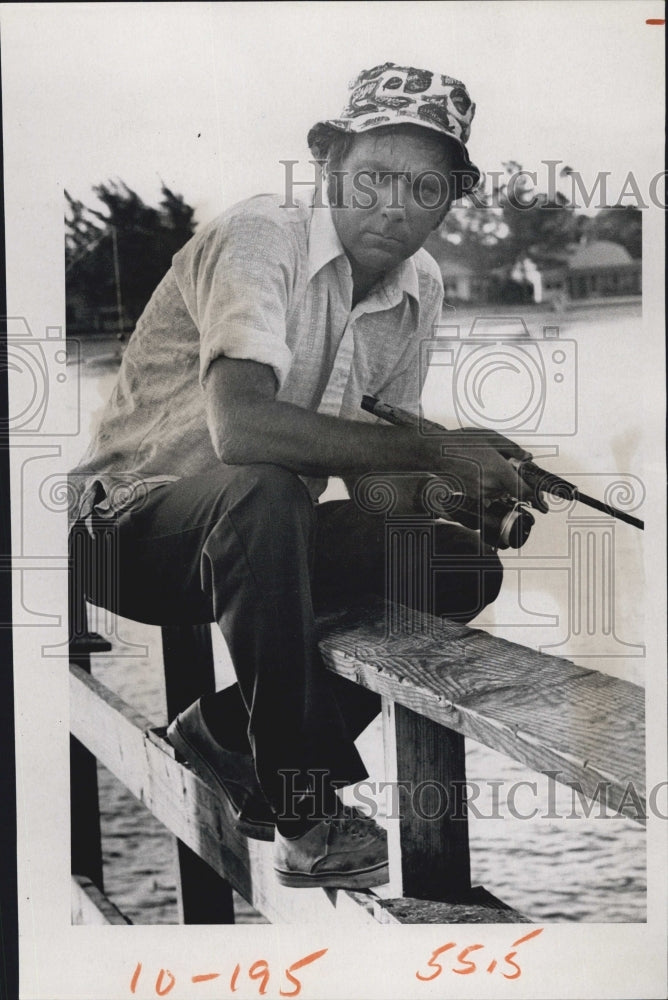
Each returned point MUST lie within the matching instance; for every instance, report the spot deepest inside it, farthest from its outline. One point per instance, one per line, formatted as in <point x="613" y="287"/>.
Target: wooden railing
<point x="440" y="683"/>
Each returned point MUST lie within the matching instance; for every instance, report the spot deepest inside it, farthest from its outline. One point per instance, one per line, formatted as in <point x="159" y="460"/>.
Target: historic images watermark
<point x="43" y="409"/>
<point x="535" y="378"/>
<point x="560" y="186"/>
<point x="43" y="399"/>
<point x="490" y="799"/>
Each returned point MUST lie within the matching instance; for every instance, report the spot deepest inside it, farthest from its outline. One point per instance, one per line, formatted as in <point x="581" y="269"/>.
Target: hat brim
<point x="321" y="134"/>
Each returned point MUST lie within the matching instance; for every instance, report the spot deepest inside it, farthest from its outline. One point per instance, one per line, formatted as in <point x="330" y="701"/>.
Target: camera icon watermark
<point x="499" y="377"/>
<point x="43" y="397"/>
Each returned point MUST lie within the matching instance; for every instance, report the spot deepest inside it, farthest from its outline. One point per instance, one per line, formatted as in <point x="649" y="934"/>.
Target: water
<point x="568" y="868"/>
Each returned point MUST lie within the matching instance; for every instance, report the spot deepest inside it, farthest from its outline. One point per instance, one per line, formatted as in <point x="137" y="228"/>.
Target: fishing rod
<point x="505" y="521"/>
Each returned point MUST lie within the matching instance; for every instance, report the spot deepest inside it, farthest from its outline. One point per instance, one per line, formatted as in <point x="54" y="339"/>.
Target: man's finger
<point x="492" y="439"/>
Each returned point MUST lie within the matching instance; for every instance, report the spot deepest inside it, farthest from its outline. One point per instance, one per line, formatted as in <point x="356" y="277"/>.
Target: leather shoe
<point x="230" y="772"/>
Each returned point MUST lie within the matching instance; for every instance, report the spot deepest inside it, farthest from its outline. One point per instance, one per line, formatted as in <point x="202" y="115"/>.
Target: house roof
<point x="600" y="253"/>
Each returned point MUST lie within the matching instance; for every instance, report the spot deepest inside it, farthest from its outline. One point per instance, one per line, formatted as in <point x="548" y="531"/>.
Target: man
<point x="238" y="395"/>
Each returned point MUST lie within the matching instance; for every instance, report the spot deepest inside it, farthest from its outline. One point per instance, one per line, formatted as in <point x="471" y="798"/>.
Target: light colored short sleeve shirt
<point x="270" y="284"/>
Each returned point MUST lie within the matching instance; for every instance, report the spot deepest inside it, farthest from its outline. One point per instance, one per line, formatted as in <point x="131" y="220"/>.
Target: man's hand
<point x="472" y="462"/>
<point x="508" y="449"/>
<point x="492" y="439"/>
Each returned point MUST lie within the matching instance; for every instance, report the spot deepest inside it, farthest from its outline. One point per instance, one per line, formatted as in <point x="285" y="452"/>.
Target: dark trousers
<point x="246" y="547"/>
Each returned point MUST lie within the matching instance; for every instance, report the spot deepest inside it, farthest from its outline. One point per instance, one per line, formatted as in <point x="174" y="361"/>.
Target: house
<point x="602" y="269"/>
<point x="597" y="270"/>
<point x="577" y="273"/>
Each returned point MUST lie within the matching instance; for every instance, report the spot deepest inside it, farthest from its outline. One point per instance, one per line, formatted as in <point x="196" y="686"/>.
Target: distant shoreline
<point x="542" y="313"/>
<point x="586" y="310"/>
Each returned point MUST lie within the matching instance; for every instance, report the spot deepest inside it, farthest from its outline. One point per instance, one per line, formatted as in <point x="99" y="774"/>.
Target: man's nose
<point x="394" y="212"/>
<point x="393" y="199"/>
<point x="394" y="208"/>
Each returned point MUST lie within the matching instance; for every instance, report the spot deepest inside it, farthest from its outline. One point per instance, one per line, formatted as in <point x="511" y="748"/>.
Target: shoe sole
<point x="201" y="767"/>
<point x="364" y="879"/>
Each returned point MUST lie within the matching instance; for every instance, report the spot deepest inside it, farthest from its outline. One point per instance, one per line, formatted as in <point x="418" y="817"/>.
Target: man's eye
<point x="426" y="192"/>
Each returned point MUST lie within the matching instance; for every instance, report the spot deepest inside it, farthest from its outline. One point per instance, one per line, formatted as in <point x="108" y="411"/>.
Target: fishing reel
<point x="503" y="522"/>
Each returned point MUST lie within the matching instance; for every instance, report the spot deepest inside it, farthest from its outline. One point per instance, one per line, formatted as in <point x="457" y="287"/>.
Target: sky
<point x="211" y="97"/>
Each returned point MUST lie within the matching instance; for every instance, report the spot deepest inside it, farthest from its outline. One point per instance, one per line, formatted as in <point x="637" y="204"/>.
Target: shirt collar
<point x="323" y="240"/>
<point x="324" y="246"/>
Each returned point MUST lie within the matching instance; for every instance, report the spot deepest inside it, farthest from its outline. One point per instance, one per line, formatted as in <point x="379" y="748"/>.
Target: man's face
<point x="391" y="191"/>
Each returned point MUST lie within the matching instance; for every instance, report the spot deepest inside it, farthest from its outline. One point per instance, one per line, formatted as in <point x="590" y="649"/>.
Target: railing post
<point x="203" y="897"/>
<point x="85" y="832"/>
<point x="427" y="823"/>
<point x="428" y="842"/>
<point x="85" y="835"/>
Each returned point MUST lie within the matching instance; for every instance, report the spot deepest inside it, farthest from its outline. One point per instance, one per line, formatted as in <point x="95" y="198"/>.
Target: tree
<point x="514" y="222"/>
<point x="119" y="254"/>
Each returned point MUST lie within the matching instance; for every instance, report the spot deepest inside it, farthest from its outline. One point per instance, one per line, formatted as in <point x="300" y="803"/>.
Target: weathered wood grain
<point x="480" y="907"/>
<point x="428" y="830"/>
<point x="543" y="711"/>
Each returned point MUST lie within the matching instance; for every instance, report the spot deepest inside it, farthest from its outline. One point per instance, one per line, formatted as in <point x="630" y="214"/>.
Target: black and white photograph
<point x="334" y="345"/>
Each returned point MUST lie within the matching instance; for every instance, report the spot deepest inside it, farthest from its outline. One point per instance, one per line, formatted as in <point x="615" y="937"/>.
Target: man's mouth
<point x="384" y="238"/>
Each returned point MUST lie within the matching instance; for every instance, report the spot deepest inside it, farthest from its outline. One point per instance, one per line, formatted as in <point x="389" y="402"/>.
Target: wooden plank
<point x="244" y="913"/>
<point x="91" y="906"/>
<point x="543" y="711"/>
<point x="428" y="837"/>
<point x="480" y="907"/>
<point x="192" y="810"/>
<point x="202" y="896"/>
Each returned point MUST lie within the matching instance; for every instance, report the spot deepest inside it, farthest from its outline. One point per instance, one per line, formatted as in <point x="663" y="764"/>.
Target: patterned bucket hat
<point x="402" y="95"/>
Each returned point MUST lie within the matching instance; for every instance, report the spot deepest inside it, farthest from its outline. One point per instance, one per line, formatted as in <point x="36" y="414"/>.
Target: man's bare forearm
<point x="249" y="425"/>
<point x="248" y="428"/>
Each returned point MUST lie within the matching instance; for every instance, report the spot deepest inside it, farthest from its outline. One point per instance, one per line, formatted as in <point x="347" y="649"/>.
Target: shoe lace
<point x="352" y="822"/>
